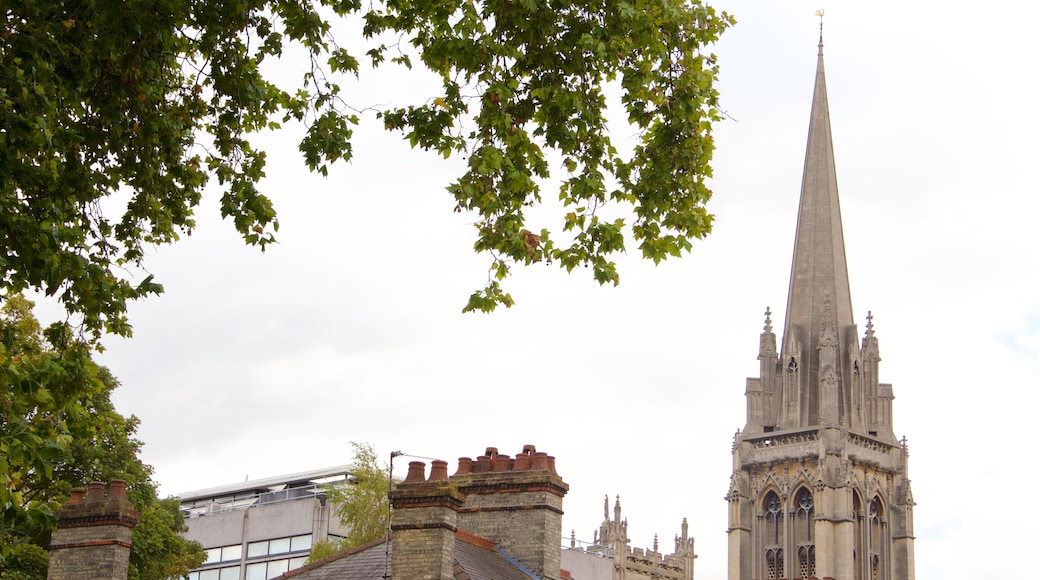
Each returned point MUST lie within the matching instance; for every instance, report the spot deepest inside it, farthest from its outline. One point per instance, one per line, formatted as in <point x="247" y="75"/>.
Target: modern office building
<point x="256" y="530"/>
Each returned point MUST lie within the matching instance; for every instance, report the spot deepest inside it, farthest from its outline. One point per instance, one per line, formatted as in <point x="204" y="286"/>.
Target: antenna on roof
<point x="389" y="488"/>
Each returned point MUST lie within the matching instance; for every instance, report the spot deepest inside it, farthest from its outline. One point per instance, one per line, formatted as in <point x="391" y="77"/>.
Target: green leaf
<point x="166" y="105"/>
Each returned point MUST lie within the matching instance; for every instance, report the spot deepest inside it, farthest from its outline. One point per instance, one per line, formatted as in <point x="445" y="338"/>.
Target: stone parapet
<point x="778" y="447"/>
<point x="789" y="446"/>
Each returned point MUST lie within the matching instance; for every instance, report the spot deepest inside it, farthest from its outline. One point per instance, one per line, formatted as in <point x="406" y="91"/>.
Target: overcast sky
<point x="350" y="328"/>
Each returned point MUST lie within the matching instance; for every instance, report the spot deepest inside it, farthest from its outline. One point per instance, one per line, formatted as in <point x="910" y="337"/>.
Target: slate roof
<point x="475" y="559"/>
<point x="479" y="559"/>
<point x="365" y="562"/>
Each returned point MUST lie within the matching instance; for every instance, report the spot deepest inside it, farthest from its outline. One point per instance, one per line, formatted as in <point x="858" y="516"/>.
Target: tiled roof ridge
<point x="475" y="540"/>
<point x="333" y="558"/>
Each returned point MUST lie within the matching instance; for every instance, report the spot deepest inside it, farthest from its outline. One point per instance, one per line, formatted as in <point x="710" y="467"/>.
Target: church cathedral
<point x="820" y="487"/>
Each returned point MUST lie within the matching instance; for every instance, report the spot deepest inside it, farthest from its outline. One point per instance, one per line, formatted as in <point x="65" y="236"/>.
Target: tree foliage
<point x="116" y="115"/>
<point x="59" y="430"/>
<point x="361" y="504"/>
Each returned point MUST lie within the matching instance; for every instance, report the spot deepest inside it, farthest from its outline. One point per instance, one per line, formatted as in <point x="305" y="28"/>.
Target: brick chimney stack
<point x="424" y="524"/>
<point x="92" y="541"/>
<point x="517" y="503"/>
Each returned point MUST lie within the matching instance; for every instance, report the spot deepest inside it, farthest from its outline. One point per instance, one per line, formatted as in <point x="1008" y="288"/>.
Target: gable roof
<point x="476" y="558"/>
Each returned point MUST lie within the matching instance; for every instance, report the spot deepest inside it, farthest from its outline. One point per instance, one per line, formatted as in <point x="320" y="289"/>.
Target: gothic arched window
<point x="875" y="538"/>
<point x="804" y="533"/>
<point x="773" y="536"/>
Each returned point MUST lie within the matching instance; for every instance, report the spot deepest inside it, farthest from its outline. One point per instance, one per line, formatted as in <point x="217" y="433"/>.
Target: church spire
<point x="820" y="486"/>
<point x="818" y="271"/>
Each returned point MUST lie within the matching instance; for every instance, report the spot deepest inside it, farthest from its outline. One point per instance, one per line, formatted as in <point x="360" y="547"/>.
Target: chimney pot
<point x="529" y="449"/>
<point x="552" y="464"/>
<point x="117" y="489"/>
<point x="491" y="452"/>
<point x="76" y="496"/>
<point x="416" y="472"/>
<point x="501" y="463"/>
<point x="438" y="470"/>
<point x="483" y="464"/>
<point x="522" y="463"/>
<point x="95" y="491"/>
<point x="465" y="466"/>
<point x="540" y="461"/>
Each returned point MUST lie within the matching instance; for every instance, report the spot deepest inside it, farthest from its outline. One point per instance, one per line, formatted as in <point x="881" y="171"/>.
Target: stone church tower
<point x="820" y="486"/>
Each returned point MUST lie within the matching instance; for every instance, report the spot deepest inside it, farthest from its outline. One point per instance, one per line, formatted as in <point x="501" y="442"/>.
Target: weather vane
<point x="820" y="14"/>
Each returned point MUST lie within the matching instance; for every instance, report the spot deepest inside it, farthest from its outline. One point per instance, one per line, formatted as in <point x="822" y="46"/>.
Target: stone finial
<point x="870" y="325"/>
<point x="769" y="322"/>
